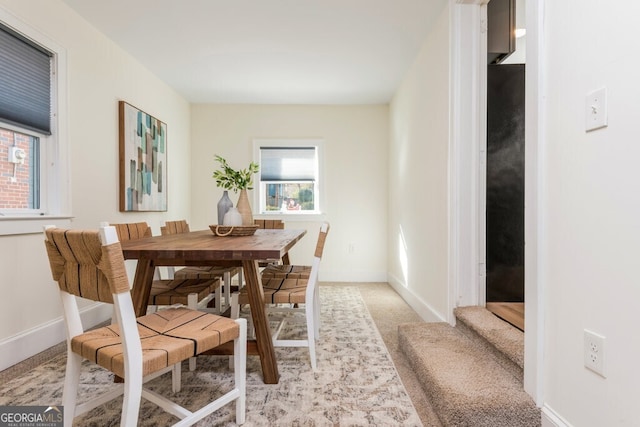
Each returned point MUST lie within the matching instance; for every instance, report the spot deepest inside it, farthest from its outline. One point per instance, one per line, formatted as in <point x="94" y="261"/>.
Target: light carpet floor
<point x="356" y="382"/>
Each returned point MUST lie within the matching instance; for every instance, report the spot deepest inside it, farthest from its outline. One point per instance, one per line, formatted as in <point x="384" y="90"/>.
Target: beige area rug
<point x="356" y="383"/>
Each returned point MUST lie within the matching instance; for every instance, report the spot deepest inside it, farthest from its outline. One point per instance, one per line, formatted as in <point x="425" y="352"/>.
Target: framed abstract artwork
<point x="143" y="161"/>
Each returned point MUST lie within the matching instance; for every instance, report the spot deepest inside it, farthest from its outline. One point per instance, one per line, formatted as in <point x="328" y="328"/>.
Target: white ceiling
<point x="270" y="51"/>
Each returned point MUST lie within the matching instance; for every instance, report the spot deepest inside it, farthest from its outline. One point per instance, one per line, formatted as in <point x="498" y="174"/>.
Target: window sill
<point x="15" y="225"/>
<point x="292" y="217"/>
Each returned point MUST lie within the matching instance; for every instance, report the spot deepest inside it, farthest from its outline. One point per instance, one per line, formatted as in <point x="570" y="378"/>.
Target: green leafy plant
<point x="235" y="180"/>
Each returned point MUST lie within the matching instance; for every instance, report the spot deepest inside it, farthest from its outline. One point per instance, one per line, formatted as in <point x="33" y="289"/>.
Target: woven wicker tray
<point x="239" y="230"/>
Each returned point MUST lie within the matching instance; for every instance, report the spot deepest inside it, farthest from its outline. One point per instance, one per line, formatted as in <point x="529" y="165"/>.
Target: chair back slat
<point x="132" y="231"/>
<point x="85" y="268"/>
<point x="175" y="227"/>
<point x="269" y="224"/>
<point x="322" y="237"/>
<point x="113" y="267"/>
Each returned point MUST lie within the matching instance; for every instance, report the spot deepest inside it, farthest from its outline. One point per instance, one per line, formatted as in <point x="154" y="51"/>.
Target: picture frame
<point x="143" y="160"/>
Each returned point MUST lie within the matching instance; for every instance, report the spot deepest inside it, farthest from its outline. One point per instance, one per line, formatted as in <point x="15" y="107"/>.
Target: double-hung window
<point x="33" y="163"/>
<point x="289" y="180"/>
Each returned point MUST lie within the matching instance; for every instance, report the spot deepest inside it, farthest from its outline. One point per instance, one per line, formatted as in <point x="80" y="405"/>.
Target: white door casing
<point x="467" y="182"/>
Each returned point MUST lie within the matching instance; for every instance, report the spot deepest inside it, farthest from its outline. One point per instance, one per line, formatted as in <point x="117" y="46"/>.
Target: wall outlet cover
<point x="596" y="110"/>
<point x="594" y="352"/>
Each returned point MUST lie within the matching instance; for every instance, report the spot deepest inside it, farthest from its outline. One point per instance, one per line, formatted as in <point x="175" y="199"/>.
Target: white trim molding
<point x="534" y="204"/>
<point x="469" y="133"/>
<point x="551" y="419"/>
<point x="30" y="224"/>
<point x="20" y="347"/>
<point x="467" y="139"/>
<point x="476" y="2"/>
<point x="424" y="310"/>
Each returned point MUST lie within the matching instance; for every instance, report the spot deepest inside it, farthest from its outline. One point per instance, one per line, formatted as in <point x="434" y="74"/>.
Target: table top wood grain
<point x="205" y="246"/>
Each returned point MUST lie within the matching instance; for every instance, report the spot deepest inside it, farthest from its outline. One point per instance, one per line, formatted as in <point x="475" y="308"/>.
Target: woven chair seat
<point x="280" y="291"/>
<point x="204" y="272"/>
<point x="90" y="264"/>
<point x="169" y="292"/>
<point x="291" y="285"/>
<point x="286" y="272"/>
<point x="168" y="337"/>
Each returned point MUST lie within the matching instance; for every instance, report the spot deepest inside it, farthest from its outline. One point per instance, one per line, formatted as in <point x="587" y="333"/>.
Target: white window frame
<point x="319" y="197"/>
<point x="55" y="196"/>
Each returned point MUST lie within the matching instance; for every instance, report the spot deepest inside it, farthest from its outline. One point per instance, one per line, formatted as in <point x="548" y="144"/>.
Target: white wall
<point x="355" y="195"/>
<point x="99" y="74"/>
<point x="418" y="177"/>
<point x="591" y="211"/>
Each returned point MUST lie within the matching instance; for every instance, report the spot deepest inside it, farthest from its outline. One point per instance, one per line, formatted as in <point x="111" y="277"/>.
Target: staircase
<point x="472" y="373"/>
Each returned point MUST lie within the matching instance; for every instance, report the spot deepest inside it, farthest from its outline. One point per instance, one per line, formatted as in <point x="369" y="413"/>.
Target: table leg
<point x="142" y="282"/>
<point x="285" y="259"/>
<point x="260" y="322"/>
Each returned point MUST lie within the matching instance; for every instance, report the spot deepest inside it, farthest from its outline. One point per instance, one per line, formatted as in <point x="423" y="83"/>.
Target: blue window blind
<point x="25" y="82"/>
<point x="288" y="164"/>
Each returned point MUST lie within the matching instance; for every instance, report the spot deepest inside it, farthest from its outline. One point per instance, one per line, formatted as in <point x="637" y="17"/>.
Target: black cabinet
<point x="505" y="182"/>
<point x="501" y="34"/>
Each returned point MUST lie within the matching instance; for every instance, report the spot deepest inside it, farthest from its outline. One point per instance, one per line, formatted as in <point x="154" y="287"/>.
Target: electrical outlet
<point x="594" y="352"/>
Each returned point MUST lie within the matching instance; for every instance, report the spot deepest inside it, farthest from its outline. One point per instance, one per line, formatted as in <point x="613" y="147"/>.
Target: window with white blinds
<point x="289" y="176"/>
<point x="33" y="171"/>
<point x="25" y="82"/>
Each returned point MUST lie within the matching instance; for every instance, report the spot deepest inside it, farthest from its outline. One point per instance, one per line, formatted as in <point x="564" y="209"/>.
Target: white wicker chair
<point x="291" y="289"/>
<point x="90" y="264"/>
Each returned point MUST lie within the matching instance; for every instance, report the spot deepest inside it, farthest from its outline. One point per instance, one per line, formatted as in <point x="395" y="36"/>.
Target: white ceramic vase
<point x="232" y="218"/>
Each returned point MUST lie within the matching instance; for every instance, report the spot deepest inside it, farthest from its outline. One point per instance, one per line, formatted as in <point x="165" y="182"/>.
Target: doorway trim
<point x="534" y="204"/>
<point x="467" y="185"/>
<point x="466" y="154"/>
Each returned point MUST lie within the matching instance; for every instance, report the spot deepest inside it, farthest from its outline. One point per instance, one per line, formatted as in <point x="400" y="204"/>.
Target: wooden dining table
<point x="201" y="248"/>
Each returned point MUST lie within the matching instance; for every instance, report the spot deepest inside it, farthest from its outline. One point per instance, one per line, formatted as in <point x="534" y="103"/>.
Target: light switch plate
<point x="596" y="110"/>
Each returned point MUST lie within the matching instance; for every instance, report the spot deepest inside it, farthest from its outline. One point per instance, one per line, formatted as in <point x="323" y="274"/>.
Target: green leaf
<point x="235" y="180"/>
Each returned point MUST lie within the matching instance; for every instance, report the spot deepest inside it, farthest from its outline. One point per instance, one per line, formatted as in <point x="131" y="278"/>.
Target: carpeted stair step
<point x="466" y="385"/>
<point x="498" y="337"/>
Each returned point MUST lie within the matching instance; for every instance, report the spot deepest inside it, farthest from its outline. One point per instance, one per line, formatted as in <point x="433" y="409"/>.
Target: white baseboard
<point x="19" y="347"/>
<point x="424" y="310"/>
<point x="551" y="418"/>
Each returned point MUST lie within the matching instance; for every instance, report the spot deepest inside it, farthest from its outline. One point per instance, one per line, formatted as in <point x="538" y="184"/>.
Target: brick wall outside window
<point x="14" y="195"/>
